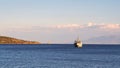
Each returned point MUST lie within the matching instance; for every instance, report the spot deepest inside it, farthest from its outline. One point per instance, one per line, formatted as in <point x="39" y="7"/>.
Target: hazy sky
<point x="18" y="17"/>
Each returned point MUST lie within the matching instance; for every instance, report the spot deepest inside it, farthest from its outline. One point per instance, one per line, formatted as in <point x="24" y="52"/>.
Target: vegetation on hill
<point x="10" y="40"/>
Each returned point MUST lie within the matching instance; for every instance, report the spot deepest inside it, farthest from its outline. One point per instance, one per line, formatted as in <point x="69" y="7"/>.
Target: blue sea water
<point x="59" y="56"/>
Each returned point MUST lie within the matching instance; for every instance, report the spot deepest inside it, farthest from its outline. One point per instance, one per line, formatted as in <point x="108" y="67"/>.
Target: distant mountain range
<point x="10" y="40"/>
<point x="113" y="39"/>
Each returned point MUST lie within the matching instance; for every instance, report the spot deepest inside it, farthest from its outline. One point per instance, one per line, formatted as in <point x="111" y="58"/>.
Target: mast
<point x="78" y="43"/>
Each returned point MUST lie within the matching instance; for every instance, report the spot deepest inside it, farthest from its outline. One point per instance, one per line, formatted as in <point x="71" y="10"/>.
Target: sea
<point x="60" y="56"/>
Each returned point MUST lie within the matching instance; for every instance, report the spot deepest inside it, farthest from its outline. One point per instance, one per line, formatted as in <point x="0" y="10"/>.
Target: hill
<point x="112" y="39"/>
<point x="10" y="40"/>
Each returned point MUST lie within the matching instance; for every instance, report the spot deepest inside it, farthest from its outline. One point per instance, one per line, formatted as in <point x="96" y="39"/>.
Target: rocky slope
<point x="10" y="40"/>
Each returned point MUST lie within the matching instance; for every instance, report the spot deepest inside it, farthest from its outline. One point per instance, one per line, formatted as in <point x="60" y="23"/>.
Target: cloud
<point x="64" y="26"/>
<point x="69" y="26"/>
<point x="101" y="26"/>
<point x="90" y="24"/>
<point x="62" y="31"/>
<point x="110" y="26"/>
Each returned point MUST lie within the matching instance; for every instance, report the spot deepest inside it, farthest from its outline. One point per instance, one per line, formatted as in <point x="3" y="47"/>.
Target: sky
<point x="59" y="21"/>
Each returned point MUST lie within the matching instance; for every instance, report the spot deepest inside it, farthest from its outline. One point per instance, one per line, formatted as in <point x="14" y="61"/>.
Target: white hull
<point x="79" y="44"/>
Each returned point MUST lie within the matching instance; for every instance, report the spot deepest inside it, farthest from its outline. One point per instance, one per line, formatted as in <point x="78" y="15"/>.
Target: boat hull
<point x="79" y="45"/>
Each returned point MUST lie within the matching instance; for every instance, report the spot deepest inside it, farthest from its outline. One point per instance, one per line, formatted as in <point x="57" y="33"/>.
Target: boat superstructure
<point x="78" y="43"/>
